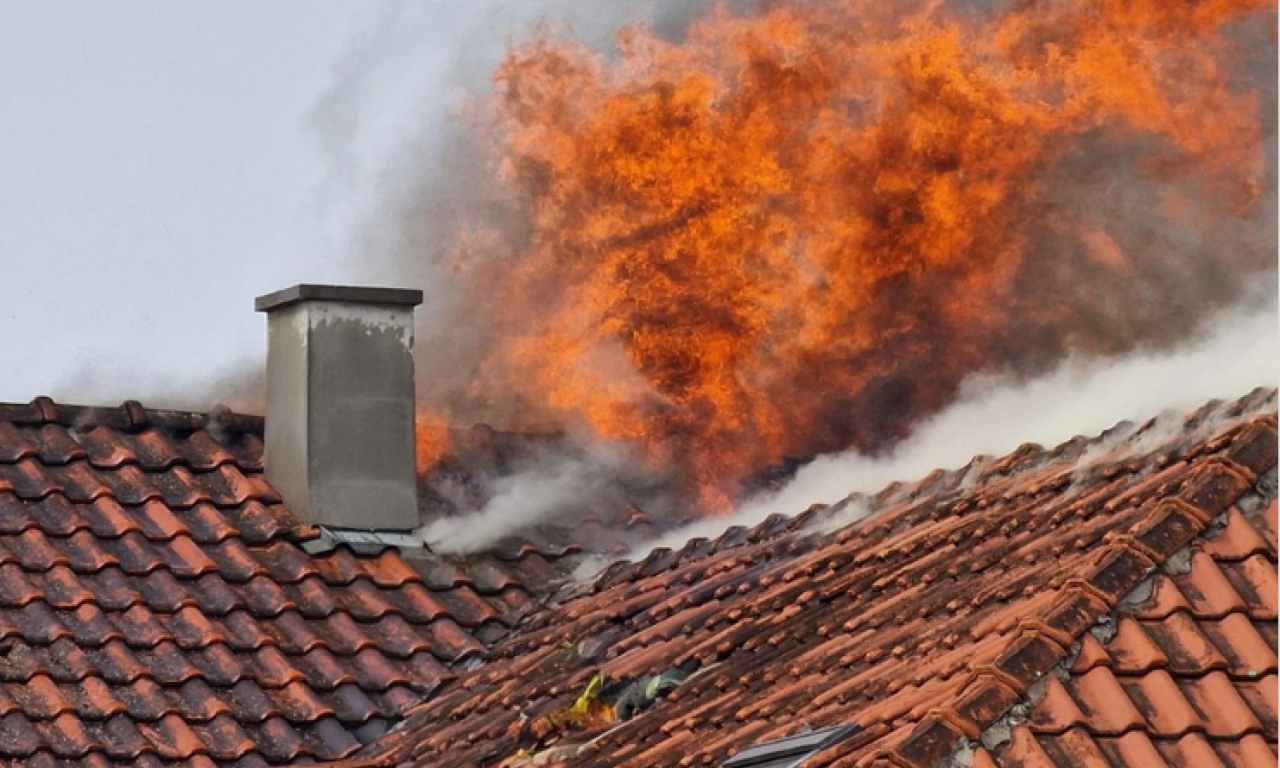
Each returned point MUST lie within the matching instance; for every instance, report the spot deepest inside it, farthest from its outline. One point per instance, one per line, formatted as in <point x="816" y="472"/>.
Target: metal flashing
<point x="409" y="543"/>
<point x="791" y="751"/>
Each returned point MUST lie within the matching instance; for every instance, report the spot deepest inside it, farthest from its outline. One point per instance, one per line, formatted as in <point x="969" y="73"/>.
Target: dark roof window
<point x="791" y="751"/>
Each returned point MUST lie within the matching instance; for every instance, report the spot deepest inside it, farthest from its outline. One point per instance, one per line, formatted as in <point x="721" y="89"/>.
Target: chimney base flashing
<point x="409" y="543"/>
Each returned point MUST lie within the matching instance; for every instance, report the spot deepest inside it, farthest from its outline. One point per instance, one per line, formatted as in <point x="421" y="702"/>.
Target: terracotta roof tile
<point x="19" y="736"/>
<point x="1134" y="650"/>
<point x="1268" y="522"/>
<point x="122" y="738"/>
<point x="1237" y="540"/>
<point x="84" y="553"/>
<point x="66" y="661"/>
<point x="1243" y="643"/>
<point x="1182" y="642"/>
<point x="1254" y="580"/>
<point x="54" y="515"/>
<point x="1058" y="710"/>
<point x="1217" y="701"/>
<point x="258" y="523"/>
<point x="1168" y="711"/>
<point x="1252" y="751"/>
<point x="155" y="604"/>
<point x="1166" y="601"/>
<point x="1260" y="695"/>
<point x="926" y="621"/>
<point x="1133" y="749"/>
<point x="1207" y="590"/>
<point x="1074" y="748"/>
<point x="1214" y="703"/>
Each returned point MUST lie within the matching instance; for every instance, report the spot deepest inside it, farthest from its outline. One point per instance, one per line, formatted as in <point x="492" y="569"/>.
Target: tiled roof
<point x="157" y="607"/>
<point x="1184" y="678"/>
<point x="932" y="623"/>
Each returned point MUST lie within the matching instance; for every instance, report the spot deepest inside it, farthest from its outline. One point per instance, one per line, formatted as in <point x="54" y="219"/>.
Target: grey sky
<point x="156" y="174"/>
<point x="163" y="163"/>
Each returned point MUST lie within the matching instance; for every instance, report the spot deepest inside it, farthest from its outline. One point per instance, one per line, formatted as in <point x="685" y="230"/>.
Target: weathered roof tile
<point x="156" y="608"/>
<point x="925" y="622"/>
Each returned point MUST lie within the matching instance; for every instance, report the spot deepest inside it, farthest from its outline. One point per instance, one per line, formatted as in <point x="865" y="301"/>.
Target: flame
<point x="432" y="438"/>
<point x="801" y="230"/>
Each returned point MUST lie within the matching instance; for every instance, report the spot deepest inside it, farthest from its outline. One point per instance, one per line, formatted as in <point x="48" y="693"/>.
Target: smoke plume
<point x="740" y="239"/>
<point x="554" y="482"/>
<point x="995" y="414"/>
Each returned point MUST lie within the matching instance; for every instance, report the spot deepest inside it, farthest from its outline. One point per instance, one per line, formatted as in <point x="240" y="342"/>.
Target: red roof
<point x="157" y="606"/>
<point x="1187" y="677"/>
<point x="1105" y="602"/>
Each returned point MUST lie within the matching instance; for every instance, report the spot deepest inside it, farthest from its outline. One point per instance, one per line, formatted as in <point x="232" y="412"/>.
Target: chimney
<point x="340" y="404"/>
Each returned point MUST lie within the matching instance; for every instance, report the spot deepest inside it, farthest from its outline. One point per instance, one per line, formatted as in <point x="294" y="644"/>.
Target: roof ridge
<point x="1123" y="563"/>
<point x="954" y="488"/>
<point x="129" y="415"/>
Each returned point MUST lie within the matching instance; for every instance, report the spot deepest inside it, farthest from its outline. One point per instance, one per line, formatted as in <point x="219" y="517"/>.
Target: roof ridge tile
<point x="129" y="415"/>
<point x="1254" y="449"/>
<point x="1214" y="485"/>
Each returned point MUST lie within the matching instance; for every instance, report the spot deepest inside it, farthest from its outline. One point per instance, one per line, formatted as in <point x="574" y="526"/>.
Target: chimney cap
<point x="349" y="294"/>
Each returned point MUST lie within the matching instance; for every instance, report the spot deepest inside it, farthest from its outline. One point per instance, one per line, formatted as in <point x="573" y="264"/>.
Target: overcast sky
<point x="163" y="163"/>
<point x="156" y="175"/>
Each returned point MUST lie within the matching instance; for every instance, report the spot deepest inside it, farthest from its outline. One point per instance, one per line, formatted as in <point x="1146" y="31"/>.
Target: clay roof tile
<point x="1133" y="650"/>
<point x="1184" y="644"/>
<point x="1168" y="712"/>
<point x="1218" y="702"/>
<point x="161" y="559"/>
<point x="1237" y="540"/>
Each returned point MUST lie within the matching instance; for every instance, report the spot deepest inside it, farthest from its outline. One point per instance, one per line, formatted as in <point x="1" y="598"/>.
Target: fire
<point x="799" y="231"/>
<point x="431" y="433"/>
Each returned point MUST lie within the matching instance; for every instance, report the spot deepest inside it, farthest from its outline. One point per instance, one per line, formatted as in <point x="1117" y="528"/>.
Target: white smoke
<point x="995" y="414"/>
<point x="1240" y="350"/>
<point x="551" y="485"/>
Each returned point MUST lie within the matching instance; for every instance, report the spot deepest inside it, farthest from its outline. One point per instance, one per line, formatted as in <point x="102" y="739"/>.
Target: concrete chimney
<point x="340" y="404"/>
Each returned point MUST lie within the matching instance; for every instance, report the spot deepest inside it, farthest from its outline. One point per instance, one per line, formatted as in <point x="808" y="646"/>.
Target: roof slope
<point x="924" y="623"/>
<point x="1186" y="677"/>
<point x="157" y="606"/>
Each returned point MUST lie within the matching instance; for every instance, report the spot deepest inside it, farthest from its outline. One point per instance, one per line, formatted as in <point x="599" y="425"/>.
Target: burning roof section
<point x="801" y="226"/>
<point x="1110" y="601"/>
<point x="472" y="462"/>
<point x="158" y="605"/>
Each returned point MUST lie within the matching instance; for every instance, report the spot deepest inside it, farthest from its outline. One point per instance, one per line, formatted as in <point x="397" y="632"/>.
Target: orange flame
<point x="799" y="231"/>
<point x="433" y="440"/>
